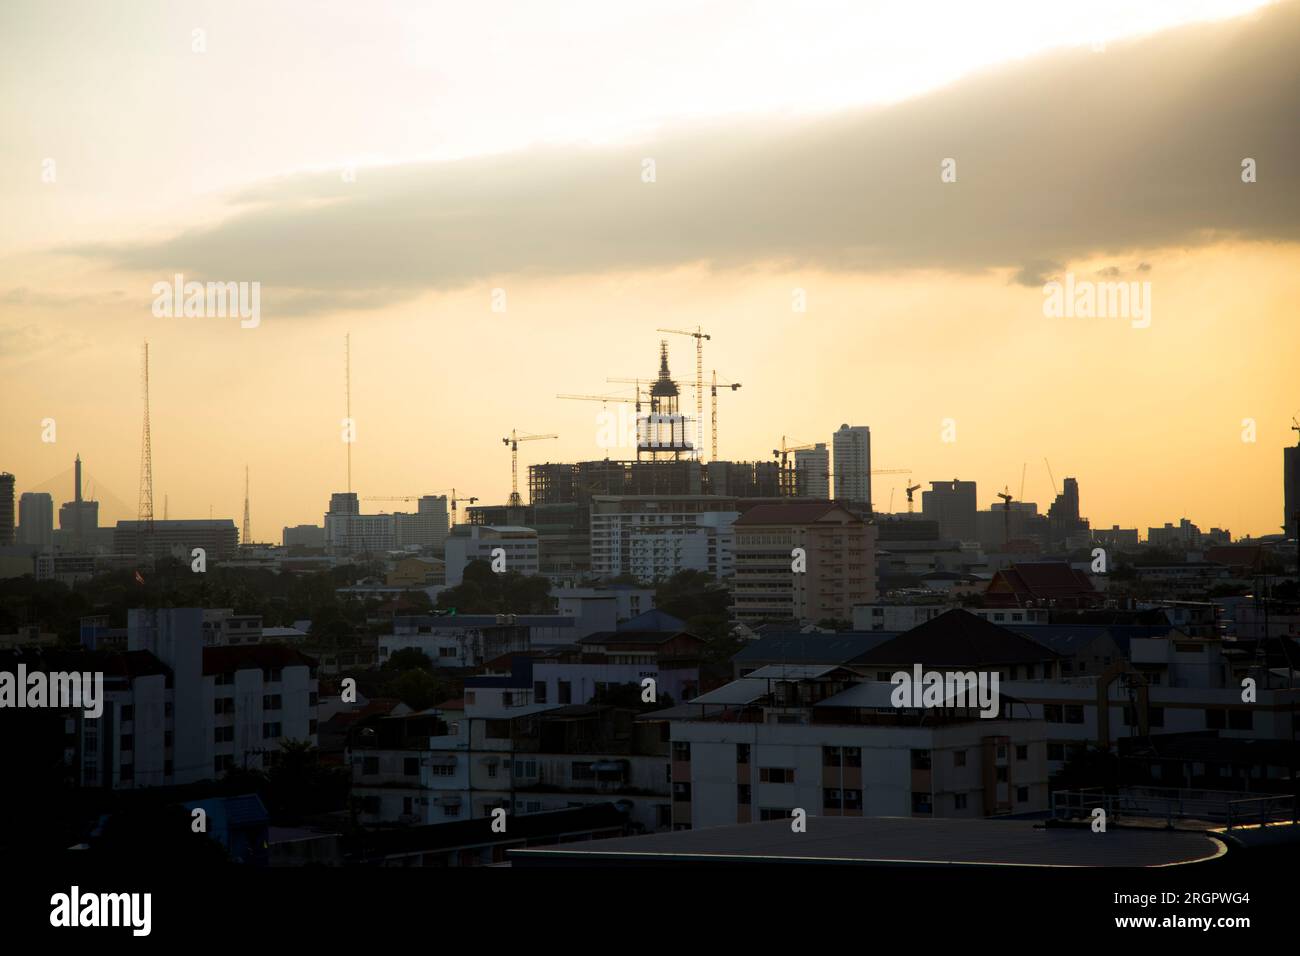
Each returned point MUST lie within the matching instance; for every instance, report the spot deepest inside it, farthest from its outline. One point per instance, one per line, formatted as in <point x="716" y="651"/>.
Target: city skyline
<point x="918" y="306"/>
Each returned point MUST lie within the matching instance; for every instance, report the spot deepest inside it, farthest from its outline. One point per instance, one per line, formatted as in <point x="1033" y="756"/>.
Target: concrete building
<point x="477" y="542"/>
<point x="852" y="449"/>
<point x="1116" y="537"/>
<point x="839" y="550"/>
<point x="812" y="472"/>
<point x="654" y="537"/>
<point x="427" y="528"/>
<point x="309" y="536"/>
<point x="36" y="520"/>
<point x="1185" y="535"/>
<point x="417" y="572"/>
<point x="218" y="537"/>
<point x="6" y="509"/>
<point x="952" y="505"/>
<point x="1291" y="490"/>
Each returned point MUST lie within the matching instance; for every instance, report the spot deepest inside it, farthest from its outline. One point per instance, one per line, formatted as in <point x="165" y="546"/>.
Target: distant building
<point x="1291" y="489"/>
<point x="839" y="550"/>
<point x="952" y="505"/>
<point x="812" y="471"/>
<point x="304" y="536"/>
<point x="1116" y="537"/>
<point x="1049" y="584"/>
<point x="218" y="537"/>
<point x="1185" y="535"/>
<point x="417" y="572"/>
<point x="654" y="537"/>
<point x="852" y="449"/>
<point x="468" y="543"/>
<point x="36" y="520"/>
<point x="427" y="528"/>
<point x="6" y="509"/>
<point x="348" y="531"/>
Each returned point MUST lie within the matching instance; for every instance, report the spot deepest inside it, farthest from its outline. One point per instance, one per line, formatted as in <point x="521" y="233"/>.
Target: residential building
<point x="36" y="520"/>
<point x="836" y="571"/>
<point x="305" y="536"/>
<point x="218" y="537"/>
<point x="1046" y="584"/>
<point x="6" y="509"/>
<point x="852" y="450"/>
<point x="654" y="537"/>
<point x="952" y="505"/>
<point x="518" y="548"/>
<point x="812" y="471"/>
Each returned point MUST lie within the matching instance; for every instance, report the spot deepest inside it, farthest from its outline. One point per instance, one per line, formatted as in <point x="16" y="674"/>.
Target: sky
<point x="467" y="194"/>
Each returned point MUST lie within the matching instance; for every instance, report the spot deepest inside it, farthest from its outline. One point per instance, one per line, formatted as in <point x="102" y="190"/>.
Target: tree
<point x="408" y="658"/>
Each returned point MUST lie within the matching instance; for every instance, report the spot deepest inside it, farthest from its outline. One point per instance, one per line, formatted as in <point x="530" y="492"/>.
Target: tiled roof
<point x="957" y="638"/>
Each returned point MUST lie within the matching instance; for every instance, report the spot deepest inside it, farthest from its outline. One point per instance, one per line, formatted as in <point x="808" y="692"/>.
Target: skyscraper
<point x="852" y="449"/>
<point x="36" y="519"/>
<point x="6" y="508"/>
<point x="78" y="516"/>
<point x="812" y="469"/>
<point x="1291" y="488"/>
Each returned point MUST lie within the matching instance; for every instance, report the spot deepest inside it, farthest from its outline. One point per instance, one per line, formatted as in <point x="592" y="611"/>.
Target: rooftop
<point x="890" y="841"/>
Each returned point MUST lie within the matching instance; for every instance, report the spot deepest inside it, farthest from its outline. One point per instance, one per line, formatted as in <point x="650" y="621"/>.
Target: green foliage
<point x="408" y="658"/>
<point x="483" y="591"/>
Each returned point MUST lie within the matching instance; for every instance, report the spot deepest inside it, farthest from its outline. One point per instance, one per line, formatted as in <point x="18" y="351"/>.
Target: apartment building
<point x="518" y="547"/>
<point x="654" y="537"/>
<point x="839" y="551"/>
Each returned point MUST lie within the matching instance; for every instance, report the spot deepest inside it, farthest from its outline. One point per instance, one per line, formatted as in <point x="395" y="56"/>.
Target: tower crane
<point x="454" y="499"/>
<point x="1005" y="495"/>
<point x="699" y="335"/>
<point x="713" y="392"/>
<point x="783" y="455"/>
<point x="910" y="490"/>
<point x="513" y="441"/>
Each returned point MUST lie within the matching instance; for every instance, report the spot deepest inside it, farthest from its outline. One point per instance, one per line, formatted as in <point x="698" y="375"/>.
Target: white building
<point x="851" y="445"/>
<point x="654" y="538"/>
<point x="812" y="472"/>
<point x="477" y="542"/>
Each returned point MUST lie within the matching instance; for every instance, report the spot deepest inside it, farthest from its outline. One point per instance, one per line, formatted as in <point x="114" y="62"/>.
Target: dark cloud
<point x="1069" y="154"/>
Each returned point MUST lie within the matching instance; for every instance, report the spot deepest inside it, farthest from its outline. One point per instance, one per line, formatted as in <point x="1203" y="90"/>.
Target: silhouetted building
<point x="1291" y="488"/>
<point x="852" y="452"/>
<point x="812" y="472"/>
<point x="36" y="519"/>
<point x="6" y="508"/>
<point x="952" y="505"/>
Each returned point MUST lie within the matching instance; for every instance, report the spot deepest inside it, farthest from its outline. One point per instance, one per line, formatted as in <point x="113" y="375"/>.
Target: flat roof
<point x="893" y="841"/>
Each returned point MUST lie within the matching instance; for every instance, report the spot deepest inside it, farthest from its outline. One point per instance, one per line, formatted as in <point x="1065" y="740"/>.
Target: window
<point x="774" y="813"/>
<point x="1053" y="714"/>
<point x="370" y="765"/>
<point x="742" y="753"/>
<point x="1022" y="794"/>
<point x="1216" y="719"/>
<point x="1073" y="714"/>
<point x="776" y="774"/>
<point x="128" y="771"/>
<point x="921" y="803"/>
<point x="1002" y="774"/>
<point x="681" y="750"/>
<point x="311" y="726"/>
<point x="272" y="675"/>
<point x="1022" y="751"/>
<point x="167" y="738"/>
<point x="223" y="735"/>
<point x="411" y="766"/>
<point x="128" y="742"/>
<point x="271" y="730"/>
<point x="959" y="801"/>
<point x="831" y="757"/>
<point x="407" y="805"/>
<point x="1240" y="720"/>
<point x="539" y="691"/>
<point x="223" y="705"/>
<point x="469" y="696"/>
<point x="565" y="692"/>
<point x="681" y="792"/>
<point x="581" y="771"/>
<point x="313" y="699"/>
<point x="168" y="709"/>
<point x="271" y="702"/>
<point x="507" y="699"/>
<point x="853" y="756"/>
<point x="492" y="770"/>
<point x="222" y="763"/>
<point x="920" y="760"/>
<point x="128" y="712"/>
<point x="959" y="758"/>
<point x="497" y="728"/>
<point x="743" y="795"/>
<point x="1056" y="751"/>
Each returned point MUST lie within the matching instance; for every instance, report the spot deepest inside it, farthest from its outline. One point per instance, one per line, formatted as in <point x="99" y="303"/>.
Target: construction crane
<point x="513" y="441"/>
<point x="699" y="335"/>
<point x="910" y="490"/>
<point x="1050" y="475"/>
<point x="713" y="391"/>
<point x="1005" y="495"/>
<point x="783" y="454"/>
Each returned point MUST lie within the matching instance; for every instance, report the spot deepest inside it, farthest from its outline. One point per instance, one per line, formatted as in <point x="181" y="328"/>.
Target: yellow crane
<point x="513" y="441"/>
<point x="454" y="499"/>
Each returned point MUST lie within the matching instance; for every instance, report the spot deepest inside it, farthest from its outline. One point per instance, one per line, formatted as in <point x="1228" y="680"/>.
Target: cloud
<point x="1067" y="155"/>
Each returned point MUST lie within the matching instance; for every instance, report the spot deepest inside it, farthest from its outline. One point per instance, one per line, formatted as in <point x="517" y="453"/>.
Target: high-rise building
<point x="36" y="519"/>
<point x="426" y="528"/>
<point x="79" y="517"/>
<point x="852" y="451"/>
<point x="812" y="472"/>
<point x="952" y="504"/>
<point x="6" y="508"/>
<point x="1291" y="489"/>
